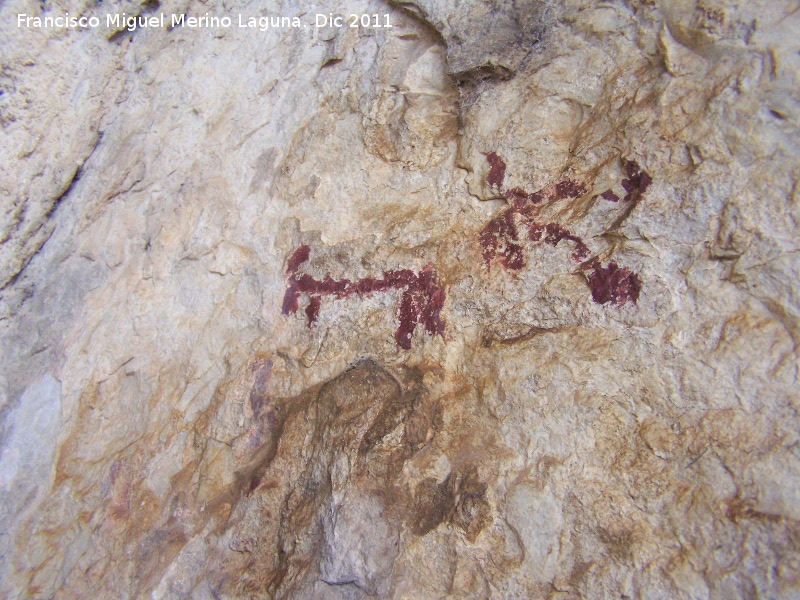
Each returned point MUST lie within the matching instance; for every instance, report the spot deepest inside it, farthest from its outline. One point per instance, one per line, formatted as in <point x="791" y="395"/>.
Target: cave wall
<point x="498" y="302"/>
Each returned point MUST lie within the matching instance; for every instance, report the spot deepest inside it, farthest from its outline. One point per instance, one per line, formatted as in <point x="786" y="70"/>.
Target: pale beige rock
<point x="167" y="432"/>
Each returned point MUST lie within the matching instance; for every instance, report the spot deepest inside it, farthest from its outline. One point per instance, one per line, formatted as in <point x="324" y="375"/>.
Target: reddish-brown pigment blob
<point x="497" y="172"/>
<point x="614" y="284"/>
<point x="637" y="182"/>
<point x="569" y="189"/>
<point x="552" y="233"/>
<point x="312" y="310"/>
<point x="421" y="303"/>
<point x="501" y="240"/>
<point x="610" y="196"/>
<point x="254" y="483"/>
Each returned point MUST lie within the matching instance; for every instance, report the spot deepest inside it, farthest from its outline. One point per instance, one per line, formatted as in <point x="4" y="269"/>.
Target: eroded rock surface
<point x="498" y="302"/>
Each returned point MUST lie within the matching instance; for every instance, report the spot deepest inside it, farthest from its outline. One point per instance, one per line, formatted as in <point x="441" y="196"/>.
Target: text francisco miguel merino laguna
<point x="131" y="23"/>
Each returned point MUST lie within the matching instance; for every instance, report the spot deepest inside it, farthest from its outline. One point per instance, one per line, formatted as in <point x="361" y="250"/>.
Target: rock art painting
<point x="503" y="239"/>
<point x="420" y="304"/>
<point x="262" y="339"/>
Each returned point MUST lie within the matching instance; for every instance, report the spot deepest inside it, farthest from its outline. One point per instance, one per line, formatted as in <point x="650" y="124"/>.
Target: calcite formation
<point x="282" y="316"/>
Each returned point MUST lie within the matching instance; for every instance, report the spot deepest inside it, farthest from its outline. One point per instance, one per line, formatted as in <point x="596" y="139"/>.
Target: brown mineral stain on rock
<point x="337" y="449"/>
<point x="459" y="499"/>
<point x="472" y="511"/>
<point x="346" y="419"/>
<point x="432" y="504"/>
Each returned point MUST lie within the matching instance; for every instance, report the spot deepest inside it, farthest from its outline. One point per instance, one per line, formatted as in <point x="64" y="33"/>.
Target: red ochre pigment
<point x="497" y="172"/>
<point x="610" y="196"/>
<point x="501" y="239"/>
<point x="420" y="304"/>
<point x="637" y="182"/>
<point x="614" y="284"/>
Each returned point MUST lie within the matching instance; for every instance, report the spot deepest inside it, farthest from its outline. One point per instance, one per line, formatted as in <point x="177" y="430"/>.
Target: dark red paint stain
<point x="637" y="182"/>
<point x="569" y="189"/>
<point x="497" y="172"/>
<point x="614" y="284"/>
<point x="520" y="197"/>
<point x="298" y="258"/>
<point x="552" y="233"/>
<point x="421" y="303"/>
<point x="254" y="483"/>
<point x="501" y="239"/>
<point x="312" y="310"/>
<point x="610" y="196"/>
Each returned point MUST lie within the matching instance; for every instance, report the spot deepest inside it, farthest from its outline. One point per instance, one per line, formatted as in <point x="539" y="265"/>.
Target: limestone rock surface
<point x="499" y="302"/>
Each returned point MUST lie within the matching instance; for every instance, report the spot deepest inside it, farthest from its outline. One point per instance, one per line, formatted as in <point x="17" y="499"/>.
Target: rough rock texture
<point x="500" y="302"/>
<point x="484" y="40"/>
